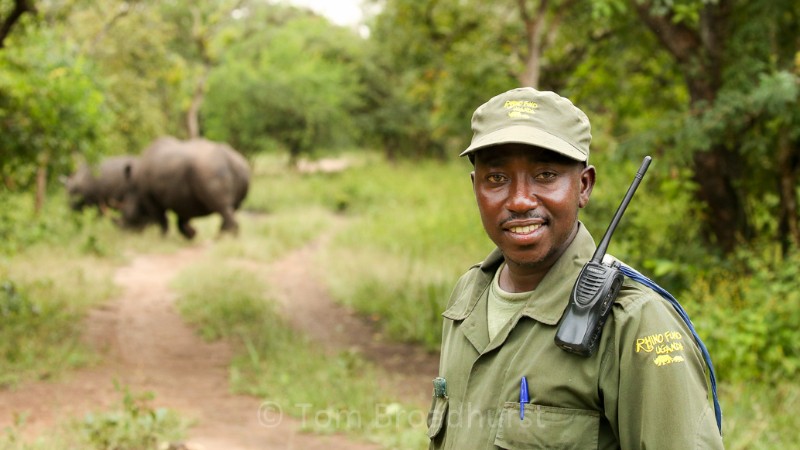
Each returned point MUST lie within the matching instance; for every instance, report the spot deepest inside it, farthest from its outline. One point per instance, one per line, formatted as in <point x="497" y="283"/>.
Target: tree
<point x="290" y="84"/>
<point x="198" y="25"/>
<point x="144" y="81"/>
<point x="50" y="107"/>
<point x="542" y="21"/>
<point x="442" y="59"/>
<point x="738" y="61"/>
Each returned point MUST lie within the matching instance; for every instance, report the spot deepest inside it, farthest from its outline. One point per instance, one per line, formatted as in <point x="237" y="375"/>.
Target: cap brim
<point x="522" y="134"/>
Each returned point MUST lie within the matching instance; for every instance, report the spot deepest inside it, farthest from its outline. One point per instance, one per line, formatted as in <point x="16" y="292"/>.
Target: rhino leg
<point x="229" y="224"/>
<point x="186" y="230"/>
<point x="162" y="222"/>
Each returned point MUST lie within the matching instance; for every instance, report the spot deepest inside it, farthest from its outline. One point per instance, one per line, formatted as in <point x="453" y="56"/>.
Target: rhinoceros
<point x="102" y="186"/>
<point x="192" y="178"/>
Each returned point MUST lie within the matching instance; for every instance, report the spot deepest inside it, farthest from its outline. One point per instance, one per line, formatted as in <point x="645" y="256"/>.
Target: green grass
<point x="281" y="366"/>
<point x="759" y="416"/>
<point x="134" y="425"/>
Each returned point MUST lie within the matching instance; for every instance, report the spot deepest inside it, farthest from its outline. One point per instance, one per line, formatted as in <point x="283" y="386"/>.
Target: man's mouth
<point x="527" y="229"/>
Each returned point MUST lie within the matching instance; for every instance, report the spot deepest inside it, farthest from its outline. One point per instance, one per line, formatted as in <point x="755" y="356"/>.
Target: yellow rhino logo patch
<point x="663" y="360"/>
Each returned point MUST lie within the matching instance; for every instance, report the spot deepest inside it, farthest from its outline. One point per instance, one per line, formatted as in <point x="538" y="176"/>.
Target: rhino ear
<point x="128" y="171"/>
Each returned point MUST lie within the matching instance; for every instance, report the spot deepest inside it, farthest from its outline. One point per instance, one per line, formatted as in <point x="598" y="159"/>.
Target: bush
<point x="136" y="425"/>
<point x="37" y="339"/>
<point x="750" y="318"/>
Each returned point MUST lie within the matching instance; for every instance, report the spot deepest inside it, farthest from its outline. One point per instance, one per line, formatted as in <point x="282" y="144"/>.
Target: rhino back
<point x="193" y="178"/>
<point x="219" y="175"/>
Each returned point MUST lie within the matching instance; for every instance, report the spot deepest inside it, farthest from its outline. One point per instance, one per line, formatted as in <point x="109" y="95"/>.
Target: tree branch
<point x="20" y="8"/>
<point x="681" y="41"/>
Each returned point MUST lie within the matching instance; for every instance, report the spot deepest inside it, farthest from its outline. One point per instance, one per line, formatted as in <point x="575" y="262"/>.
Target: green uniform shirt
<point x="645" y="387"/>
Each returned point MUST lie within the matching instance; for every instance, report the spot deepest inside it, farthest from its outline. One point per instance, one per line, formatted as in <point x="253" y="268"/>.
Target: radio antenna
<point x="601" y="249"/>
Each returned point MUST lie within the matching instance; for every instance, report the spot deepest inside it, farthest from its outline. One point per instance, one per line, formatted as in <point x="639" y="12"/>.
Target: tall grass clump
<point x="750" y="318"/>
<point x="134" y="425"/>
<point x="54" y="266"/>
<point x="328" y="392"/>
<point x="759" y="416"/>
<point x="414" y="230"/>
<point x="222" y="301"/>
<point x="747" y="312"/>
<point x="276" y="187"/>
<point x="265" y="237"/>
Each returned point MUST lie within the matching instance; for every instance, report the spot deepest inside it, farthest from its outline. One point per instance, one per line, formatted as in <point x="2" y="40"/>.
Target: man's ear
<point x="588" y="176"/>
<point x="472" y="177"/>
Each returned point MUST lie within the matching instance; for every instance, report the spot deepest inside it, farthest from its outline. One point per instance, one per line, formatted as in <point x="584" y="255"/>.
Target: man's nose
<point x="522" y="198"/>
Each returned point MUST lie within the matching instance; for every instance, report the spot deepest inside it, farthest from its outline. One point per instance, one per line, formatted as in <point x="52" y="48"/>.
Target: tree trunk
<point x="534" y="29"/>
<point x="788" y="165"/>
<point x="540" y="31"/>
<point x="726" y="223"/>
<point x="41" y="187"/>
<point x="699" y="54"/>
<point x="193" y="114"/>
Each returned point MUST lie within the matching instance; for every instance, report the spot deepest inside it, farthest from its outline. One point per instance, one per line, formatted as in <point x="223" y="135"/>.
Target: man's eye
<point x="546" y="175"/>
<point x="495" y="178"/>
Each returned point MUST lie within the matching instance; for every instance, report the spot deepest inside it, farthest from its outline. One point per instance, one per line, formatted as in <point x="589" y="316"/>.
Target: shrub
<point x="750" y="318"/>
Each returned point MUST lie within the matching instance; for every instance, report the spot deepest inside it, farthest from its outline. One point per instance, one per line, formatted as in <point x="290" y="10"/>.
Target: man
<point x="503" y="382"/>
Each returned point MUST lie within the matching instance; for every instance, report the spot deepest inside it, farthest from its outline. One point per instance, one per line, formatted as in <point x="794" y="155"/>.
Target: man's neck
<point x="518" y="282"/>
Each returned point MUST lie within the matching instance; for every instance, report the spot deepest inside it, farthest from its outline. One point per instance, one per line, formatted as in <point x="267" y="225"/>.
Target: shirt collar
<point x="549" y="300"/>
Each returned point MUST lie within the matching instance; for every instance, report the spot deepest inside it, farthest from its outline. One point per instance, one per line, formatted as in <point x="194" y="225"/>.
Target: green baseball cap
<point x="527" y="116"/>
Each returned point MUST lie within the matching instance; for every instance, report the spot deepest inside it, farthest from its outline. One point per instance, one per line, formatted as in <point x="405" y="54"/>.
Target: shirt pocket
<point x="547" y="427"/>
<point x="437" y="416"/>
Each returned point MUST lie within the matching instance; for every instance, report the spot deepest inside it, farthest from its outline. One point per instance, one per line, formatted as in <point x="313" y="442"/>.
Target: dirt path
<point x="409" y="370"/>
<point x="147" y="347"/>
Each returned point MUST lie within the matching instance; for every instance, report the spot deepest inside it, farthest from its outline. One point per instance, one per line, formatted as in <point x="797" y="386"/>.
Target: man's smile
<point x="526" y="229"/>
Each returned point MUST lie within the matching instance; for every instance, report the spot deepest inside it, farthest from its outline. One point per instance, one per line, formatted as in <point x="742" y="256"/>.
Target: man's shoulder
<point x="639" y="304"/>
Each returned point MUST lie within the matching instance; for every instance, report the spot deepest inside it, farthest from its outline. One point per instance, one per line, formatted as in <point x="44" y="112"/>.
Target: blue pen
<point x="523" y="397"/>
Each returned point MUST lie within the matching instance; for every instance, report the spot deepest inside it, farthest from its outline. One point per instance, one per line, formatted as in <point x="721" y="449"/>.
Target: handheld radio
<point x="595" y="289"/>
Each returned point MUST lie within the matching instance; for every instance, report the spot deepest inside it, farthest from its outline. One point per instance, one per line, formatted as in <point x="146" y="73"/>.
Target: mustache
<point x="530" y="215"/>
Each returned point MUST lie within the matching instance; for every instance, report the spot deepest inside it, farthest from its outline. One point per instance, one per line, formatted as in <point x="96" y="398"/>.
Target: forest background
<point x="709" y="89"/>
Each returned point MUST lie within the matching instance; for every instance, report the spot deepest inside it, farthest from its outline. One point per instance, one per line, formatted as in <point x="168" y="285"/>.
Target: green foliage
<point x="136" y="425"/>
<point x="760" y="416"/>
<point x="21" y="228"/>
<point x="50" y="107"/>
<point x="38" y="338"/>
<point x="145" y="84"/>
<point x="659" y="232"/>
<point x="437" y="62"/>
<point x="291" y="87"/>
<point x="46" y="292"/>
<point x="750" y="315"/>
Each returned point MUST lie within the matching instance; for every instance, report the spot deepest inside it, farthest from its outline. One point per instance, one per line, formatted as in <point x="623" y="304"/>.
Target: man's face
<point x="528" y="198"/>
